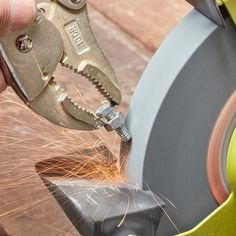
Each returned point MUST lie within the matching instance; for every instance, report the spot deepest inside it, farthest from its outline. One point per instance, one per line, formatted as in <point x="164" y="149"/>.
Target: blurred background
<point x="129" y="32"/>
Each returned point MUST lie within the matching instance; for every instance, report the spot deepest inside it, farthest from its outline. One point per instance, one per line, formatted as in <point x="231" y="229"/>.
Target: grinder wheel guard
<point x="182" y="117"/>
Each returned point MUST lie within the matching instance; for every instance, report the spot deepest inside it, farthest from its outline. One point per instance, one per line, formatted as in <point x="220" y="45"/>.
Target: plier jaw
<point x="81" y="51"/>
<point x="60" y="34"/>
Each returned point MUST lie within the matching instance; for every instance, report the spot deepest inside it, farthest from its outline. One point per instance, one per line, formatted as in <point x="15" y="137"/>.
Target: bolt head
<point x="24" y="43"/>
<point x="104" y="110"/>
<point x="117" y="122"/>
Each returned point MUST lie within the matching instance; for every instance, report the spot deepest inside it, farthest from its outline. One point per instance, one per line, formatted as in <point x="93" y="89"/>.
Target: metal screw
<point x="106" y="111"/>
<point x="24" y="43"/>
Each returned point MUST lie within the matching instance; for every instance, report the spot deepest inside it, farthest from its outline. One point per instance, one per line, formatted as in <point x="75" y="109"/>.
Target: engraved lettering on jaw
<point x="73" y="32"/>
<point x="75" y="35"/>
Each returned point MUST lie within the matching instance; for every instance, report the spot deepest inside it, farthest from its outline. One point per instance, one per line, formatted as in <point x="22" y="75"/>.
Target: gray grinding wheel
<point x="173" y="113"/>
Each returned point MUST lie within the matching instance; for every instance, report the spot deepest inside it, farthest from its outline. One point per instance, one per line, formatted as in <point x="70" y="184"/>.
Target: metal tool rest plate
<point x="99" y="209"/>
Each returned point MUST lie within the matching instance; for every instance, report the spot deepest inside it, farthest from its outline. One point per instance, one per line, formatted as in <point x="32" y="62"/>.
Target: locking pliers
<point x="61" y="33"/>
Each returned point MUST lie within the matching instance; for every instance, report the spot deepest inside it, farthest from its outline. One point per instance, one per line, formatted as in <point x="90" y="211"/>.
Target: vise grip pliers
<point x="61" y="33"/>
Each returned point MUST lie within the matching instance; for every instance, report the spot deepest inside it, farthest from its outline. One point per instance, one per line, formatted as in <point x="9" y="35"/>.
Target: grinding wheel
<point x="179" y="124"/>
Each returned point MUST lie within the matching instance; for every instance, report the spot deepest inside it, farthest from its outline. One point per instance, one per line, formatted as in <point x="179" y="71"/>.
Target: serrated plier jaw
<point x="62" y="34"/>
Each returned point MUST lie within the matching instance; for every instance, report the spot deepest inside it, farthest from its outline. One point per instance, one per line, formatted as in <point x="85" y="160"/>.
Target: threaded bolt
<point x="106" y="111"/>
<point x="110" y="115"/>
<point x="124" y="133"/>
